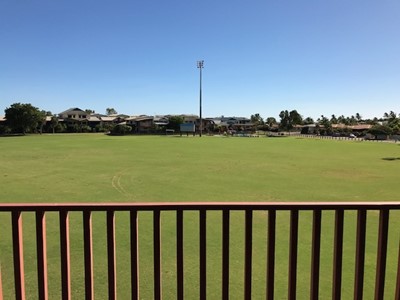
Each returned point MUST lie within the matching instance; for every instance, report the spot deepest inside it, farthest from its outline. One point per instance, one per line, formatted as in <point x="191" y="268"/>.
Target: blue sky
<point x="139" y="57"/>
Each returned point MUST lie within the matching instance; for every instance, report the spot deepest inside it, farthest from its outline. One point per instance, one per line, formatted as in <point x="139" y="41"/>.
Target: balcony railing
<point x="270" y="210"/>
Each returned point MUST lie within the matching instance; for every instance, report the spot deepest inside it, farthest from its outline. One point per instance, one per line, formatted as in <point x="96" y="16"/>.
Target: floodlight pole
<point x="200" y="64"/>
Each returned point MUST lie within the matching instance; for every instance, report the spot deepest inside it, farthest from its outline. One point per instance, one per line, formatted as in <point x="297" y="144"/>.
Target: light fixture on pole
<point x="200" y="64"/>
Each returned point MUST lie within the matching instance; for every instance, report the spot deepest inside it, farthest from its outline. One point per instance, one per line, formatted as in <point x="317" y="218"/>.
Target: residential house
<point x="74" y="118"/>
<point x="161" y="120"/>
<point x="232" y="123"/>
<point x="141" y="124"/>
<point x="74" y="114"/>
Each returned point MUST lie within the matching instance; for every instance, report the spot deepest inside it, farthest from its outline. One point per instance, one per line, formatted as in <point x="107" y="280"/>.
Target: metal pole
<point x="200" y="66"/>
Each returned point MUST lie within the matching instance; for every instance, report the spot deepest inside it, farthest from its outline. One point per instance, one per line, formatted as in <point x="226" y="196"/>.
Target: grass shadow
<point x="11" y="135"/>
<point x="391" y="158"/>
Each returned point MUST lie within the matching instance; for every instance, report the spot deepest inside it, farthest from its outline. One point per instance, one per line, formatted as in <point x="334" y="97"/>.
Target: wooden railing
<point x="339" y="209"/>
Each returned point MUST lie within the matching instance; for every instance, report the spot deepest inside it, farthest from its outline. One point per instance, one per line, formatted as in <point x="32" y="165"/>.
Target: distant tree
<point x="4" y="129"/>
<point x="380" y="130"/>
<point x="110" y="111"/>
<point x="324" y="121"/>
<point x="42" y="121"/>
<point x="358" y="117"/>
<point x="257" y="120"/>
<point x="23" y="117"/>
<point x="270" y="121"/>
<point x="351" y="120"/>
<point x="308" y="121"/>
<point x="374" y="121"/>
<point x="54" y="123"/>
<point x="342" y="120"/>
<point x="391" y="118"/>
<point x="396" y="129"/>
<point x="121" y="129"/>
<point x="174" y="122"/>
<point x="285" y="122"/>
<point x="290" y="119"/>
<point x="89" y="111"/>
<point x="334" y="120"/>
<point x="295" y="117"/>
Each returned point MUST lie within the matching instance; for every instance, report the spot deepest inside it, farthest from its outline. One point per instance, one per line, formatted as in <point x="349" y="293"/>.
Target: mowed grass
<point x="100" y="168"/>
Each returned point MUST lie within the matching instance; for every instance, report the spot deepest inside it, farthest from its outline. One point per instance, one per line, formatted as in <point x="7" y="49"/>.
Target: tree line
<point x="24" y="118"/>
<point x="387" y="125"/>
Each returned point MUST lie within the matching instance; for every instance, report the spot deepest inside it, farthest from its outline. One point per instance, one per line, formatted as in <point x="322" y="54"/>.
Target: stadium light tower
<point x="200" y="64"/>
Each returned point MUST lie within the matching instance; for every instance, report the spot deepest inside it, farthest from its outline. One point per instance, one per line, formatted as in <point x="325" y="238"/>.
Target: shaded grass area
<point x="98" y="168"/>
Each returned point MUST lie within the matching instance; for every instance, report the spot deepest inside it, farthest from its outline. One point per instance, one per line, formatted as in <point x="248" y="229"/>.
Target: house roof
<point x="140" y="118"/>
<point x="94" y="119"/>
<point x="71" y="110"/>
<point x="340" y="125"/>
<point x="361" y="127"/>
<point x="107" y="119"/>
<point x="118" y="116"/>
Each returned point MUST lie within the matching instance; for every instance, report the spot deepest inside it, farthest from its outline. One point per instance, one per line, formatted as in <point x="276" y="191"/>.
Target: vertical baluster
<point x="112" y="274"/>
<point x="18" y="253"/>
<point x="315" y="254"/>
<point x="65" y="256"/>
<point x="225" y="253"/>
<point x="179" y="254"/>
<point x="271" y="254"/>
<point x="203" y="255"/>
<point x="294" y="225"/>
<point x="88" y="254"/>
<point x="134" y="255"/>
<point x="248" y="253"/>
<point x="382" y="252"/>
<point x="41" y="248"/>
<point x="360" y="254"/>
<point x="397" y="295"/>
<point x="157" y="254"/>
<point x="338" y="255"/>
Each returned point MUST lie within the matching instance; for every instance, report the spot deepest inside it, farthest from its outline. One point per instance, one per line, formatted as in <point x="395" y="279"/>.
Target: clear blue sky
<point x="139" y="57"/>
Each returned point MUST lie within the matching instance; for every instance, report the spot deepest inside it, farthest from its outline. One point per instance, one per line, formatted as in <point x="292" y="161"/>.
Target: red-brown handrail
<point x="87" y="209"/>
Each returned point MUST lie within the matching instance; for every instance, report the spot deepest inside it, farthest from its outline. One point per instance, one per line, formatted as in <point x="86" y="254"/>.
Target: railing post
<point x="41" y="254"/>
<point x="337" y="255"/>
<point x="294" y="226"/>
<point x="381" y="255"/>
<point x="157" y="254"/>
<point x="134" y="255"/>
<point x="248" y="253"/>
<point x="203" y="254"/>
<point x="112" y="274"/>
<point x="179" y="254"/>
<point x="225" y="253"/>
<point x="65" y="256"/>
<point x="88" y="254"/>
<point x="18" y="255"/>
<point x="360" y="254"/>
<point x="271" y="254"/>
<point x="315" y="255"/>
<point x="397" y="296"/>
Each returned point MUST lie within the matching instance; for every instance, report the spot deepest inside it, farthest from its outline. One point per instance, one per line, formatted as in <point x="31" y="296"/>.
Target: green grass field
<point x="100" y="168"/>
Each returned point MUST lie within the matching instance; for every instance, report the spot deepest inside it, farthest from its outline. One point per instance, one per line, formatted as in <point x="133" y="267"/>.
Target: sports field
<point x="100" y="168"/>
